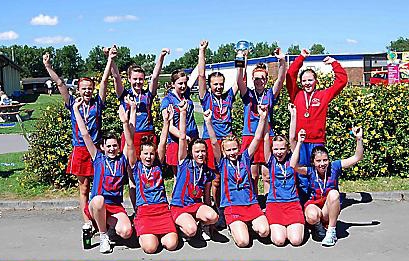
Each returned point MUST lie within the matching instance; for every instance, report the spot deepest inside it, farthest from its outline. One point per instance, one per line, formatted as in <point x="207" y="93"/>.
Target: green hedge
<point x="382" y="111"/>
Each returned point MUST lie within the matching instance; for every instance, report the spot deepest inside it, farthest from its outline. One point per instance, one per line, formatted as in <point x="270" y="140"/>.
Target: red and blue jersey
<point x="143" y="121"/>
<point x="190" y="183"/>
<point x="318" y="187"/>
<point x="92" y="116"/>
<point x="109" y="177"/>
<point x="150" y="188"/>
<point x="221" y="116"/>
<point x="191" y="127"/>
<point x="236" y="185"/>
<point x="251" y="117"/>
<point x="282" y="181"/>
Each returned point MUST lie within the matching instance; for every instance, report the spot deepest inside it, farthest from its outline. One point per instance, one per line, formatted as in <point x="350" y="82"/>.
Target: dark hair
<point x="86" y="79"/>
<point x="308" y="70"/>
<point x="194" y="142"/>
<point x="318" y="150"/>
<point x="135" y="68"/>
<point x="214" y="74"/>
<point x="260" y="67"/>
<point x="108" y="136"/>
<point x="176" y="75"/>
<point x="147" y="141"/>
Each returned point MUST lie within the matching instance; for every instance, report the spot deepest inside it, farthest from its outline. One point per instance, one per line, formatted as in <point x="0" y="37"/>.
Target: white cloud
<point x="351" y="41"/>
<point x="44" y="20"/>
<point x="111" y="30"/>
<point x="10" y="35"/>
<point x="119" y="18"/>
<point x="179" y="50"/>
<point x="53" y="40"/>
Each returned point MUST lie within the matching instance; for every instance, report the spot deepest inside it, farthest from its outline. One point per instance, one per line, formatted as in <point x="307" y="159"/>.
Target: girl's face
<point x="110" y="148"/>
<point x="217" y="85"/>
<point x="136" y="79"/>
<point x="308" y="82"/>
<point x="260" y="80"/>
<point x="321" y="162"/>
<point x="180" y="85"/>
<point x="147" y="155"/>
<point x="85" y="90"/>
<point x="280" y="150"/>
<point x="231" y="149"/>
<point x="199" y="153"/>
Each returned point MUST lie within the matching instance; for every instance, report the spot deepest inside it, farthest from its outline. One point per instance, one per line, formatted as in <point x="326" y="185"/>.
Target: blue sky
<point x="347" y="26"/>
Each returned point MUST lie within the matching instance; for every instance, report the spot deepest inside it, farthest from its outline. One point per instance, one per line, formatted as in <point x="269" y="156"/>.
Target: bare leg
<point x="98" y="212"/>
<point x="295" y="233"/>
<point x="240" y="233"/>
<point x="260" y="226"/>
<point x="278" y="234"/>
<point x="149" y="243"/>
<point x="187" y="224"/>
<point x="313" y="214"/>
<point x="332" y="208"/>
<point x="122" y="225"/>
<point x="170" y="241"/>
<point x="84" y="187"/>
<point x="207" y="215"/>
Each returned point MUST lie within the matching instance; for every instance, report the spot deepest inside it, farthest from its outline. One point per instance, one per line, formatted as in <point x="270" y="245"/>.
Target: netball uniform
<point x="319" y="188"/>
<point x="283" y="204"/>
<point x="109" y="177"/>
<point x="312" y="112"/>
<point x="143" y="122"/>
<point x="238" y="195"/>
<point x="221" y="119"/>
<point x="189" y="187"/>
<point x="79" y="162"/>
<point x="153" y="215"/>
<point x="251" y="118"/>
<point x="191" y="127"/>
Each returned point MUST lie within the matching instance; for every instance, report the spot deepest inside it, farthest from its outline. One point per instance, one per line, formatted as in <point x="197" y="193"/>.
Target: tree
<point x="399" y="45"/>
<point x="262" y="49"/>
<point x="317" y="49"/>
<point x="294" y="49"/>
<point x="188" y="60"/>
<point x="146" y="61"/>
<point x="96" y="60"/>
<point x="224" y="53"/>
<point x="123" y="59"/>
<point x="68" y="62"/>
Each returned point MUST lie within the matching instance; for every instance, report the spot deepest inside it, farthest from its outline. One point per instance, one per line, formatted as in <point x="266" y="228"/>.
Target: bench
<point x="9" y="116"/>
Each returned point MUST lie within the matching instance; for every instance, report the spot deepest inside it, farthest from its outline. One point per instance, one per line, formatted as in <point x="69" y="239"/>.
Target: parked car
<point x="381" y="78"/>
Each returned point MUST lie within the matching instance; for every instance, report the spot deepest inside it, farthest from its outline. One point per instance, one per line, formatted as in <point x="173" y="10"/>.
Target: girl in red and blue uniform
<point x="110" y="173"/>
<point x="153" y="221"/>
<point x="323" y="205"/>
<point x="238" y="194"/>
<point x="260" y="95"/>
<point x="191" y="192"/>
<point x="79" y="162"/>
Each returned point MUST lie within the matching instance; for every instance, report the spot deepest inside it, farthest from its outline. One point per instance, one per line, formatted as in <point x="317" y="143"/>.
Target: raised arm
<point x="129" y="149"/>
<point x="267" y="145"/>
<point x="282" y="66"/>
<point x="167" y="115"/>
<point x="213" y="139"/>
<point x="182" y="153"/>
<point x="296" y="154"/>
<point x="292" y="74"/>
<point x="104" y="81"/>
<point x="293" y="125"/>
<point x="359" y="150"/>
<point x="241" y="84"/>
<point x="202" y="68"/>
<point x="341" y="78"/>
<point x="119" y="88"/>
<point x="193" y="77"/>
<point x="153" y="86"/>
<point x="60" y="83"/>
<point x="83" y="129"/>
<point x="258" y="135"/>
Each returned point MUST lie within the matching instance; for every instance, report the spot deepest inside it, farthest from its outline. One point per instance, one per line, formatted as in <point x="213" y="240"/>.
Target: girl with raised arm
<point x="110" y="167"/>
<point x="238" y="194"/>
<point x="193" y="183"/>
<point x="323" y="205"/>
<point x="79" y="162"/>
<point x="251" y="99"/>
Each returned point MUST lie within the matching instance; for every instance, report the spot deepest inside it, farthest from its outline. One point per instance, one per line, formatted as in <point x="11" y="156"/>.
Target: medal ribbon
<point x="236" y="172"/>
<point x="319" y="184"/>
<point x="86" y="109"/>
<point x="220" y="104"/>
<point x="109" y="167"/>
<point x="259" y="101"/>
<point x="308" y="101"/>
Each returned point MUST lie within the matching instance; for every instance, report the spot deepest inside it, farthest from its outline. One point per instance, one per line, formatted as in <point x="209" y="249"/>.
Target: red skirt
<point x="242" y="213"/>
<point x="79" y="162"/>
<point x="284" y="213"/>
<point x="137" y="140"/>
<point x="318" y="202"/>
<point x="154" y="219"/>
<point x="111" y="209"/>
<point x="191" y="209"/>
<point x="210" y="154"/>
<point x="172" y="154"/>
<point x="258" y="157"/>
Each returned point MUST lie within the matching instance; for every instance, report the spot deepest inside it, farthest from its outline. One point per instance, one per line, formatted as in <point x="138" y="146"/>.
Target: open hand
<point x="301" y="135"/>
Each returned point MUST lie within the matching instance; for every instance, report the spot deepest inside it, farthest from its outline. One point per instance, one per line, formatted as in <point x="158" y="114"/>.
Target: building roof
<point x="4" y="61"/>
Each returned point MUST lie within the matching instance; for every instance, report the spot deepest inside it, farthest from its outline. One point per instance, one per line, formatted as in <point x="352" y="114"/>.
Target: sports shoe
<point x="104" y="243"/>
<point x="206" y="235"/>
<point x="330" y="238"/>
<point x="221" y="222"/>
<point x="318" y="232"/>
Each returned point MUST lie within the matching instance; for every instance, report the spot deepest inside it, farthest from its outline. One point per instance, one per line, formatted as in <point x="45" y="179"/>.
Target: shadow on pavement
<point x="342" y="227"/>
<point x="347" y="202"/>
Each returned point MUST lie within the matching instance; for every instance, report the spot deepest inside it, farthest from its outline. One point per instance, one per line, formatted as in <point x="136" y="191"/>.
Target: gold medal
<point x="147" y="185"/>
<point x="306" y="114"/>
<point x="194" y="192"/>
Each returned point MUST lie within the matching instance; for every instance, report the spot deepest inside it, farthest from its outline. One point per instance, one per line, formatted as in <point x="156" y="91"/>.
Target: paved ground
<point x="376" y="230"/>
<point x="12" y="143"/>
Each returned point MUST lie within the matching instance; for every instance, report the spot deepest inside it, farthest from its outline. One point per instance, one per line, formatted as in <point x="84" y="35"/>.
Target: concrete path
<point x="376" y="230"/>
<point x="12" y="143"/>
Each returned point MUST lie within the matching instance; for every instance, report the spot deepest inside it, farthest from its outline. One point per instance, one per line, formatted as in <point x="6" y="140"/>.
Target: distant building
<point x="9" y="75"/>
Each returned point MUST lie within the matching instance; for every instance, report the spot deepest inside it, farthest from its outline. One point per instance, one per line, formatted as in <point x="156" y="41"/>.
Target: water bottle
<point x="86" y="237"/>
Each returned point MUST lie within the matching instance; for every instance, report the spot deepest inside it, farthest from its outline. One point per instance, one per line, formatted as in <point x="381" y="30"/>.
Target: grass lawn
<point x="199" y="118"/>
<point x="40" y="102"/>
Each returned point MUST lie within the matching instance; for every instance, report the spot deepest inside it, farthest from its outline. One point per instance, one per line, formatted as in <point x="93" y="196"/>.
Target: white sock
<point x="331" y="229"/>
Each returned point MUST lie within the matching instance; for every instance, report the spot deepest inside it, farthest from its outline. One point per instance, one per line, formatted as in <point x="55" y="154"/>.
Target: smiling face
<point x="217" y="85"/>
<point x="199" y="153"/>
<point x="85" y="90"/>
<point x="110" y="148"/>
<point x="321" y="162"/>
<point x="180" y="85"/>
<point x="136" y="79"/>
<point x="260" y="80"/>
<point x="230" y="149"/>
<point x="308" y="81"/>
<point x="280" y="150"/>
<point x="148" y="155"/>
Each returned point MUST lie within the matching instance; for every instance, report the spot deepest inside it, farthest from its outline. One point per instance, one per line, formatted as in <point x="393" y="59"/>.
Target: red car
<point x="381" y="78"/>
